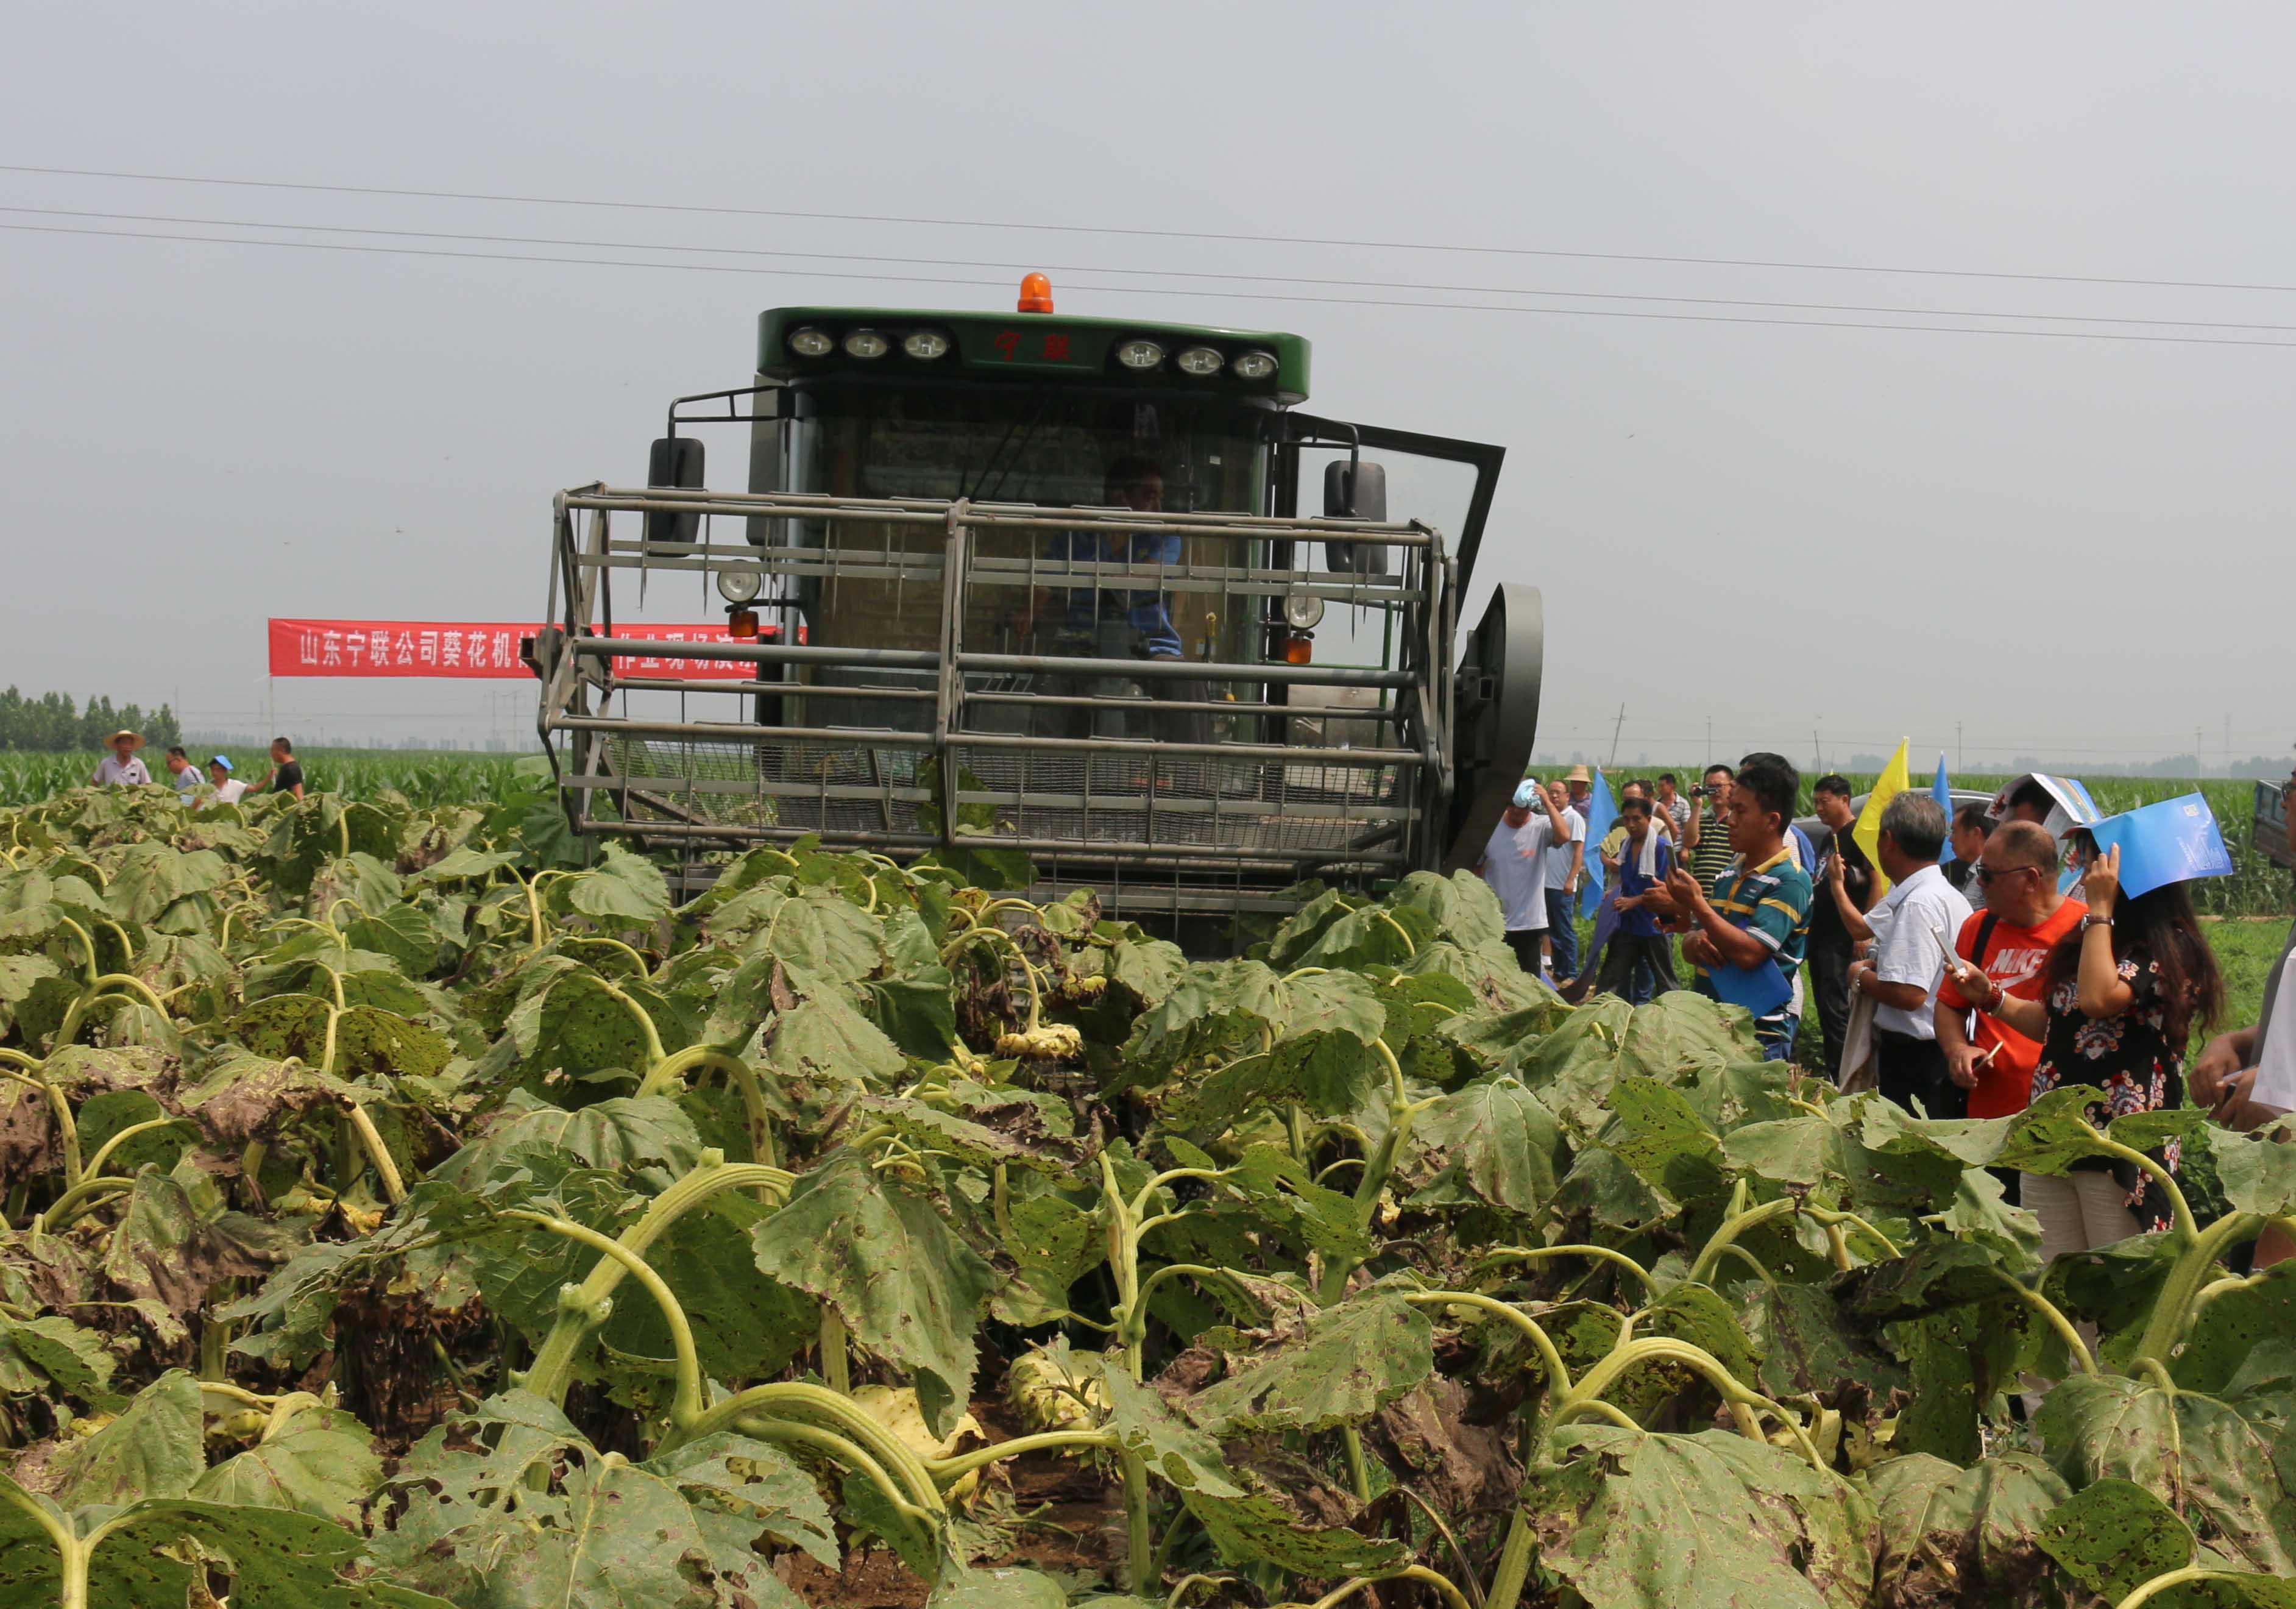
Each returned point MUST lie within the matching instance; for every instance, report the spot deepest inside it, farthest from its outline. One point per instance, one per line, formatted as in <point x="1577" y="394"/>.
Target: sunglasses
<point x="1987" y="875"/>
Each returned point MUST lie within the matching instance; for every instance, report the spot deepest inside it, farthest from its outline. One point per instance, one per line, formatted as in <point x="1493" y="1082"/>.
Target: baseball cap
<point x="221" y="760"/>
<point x="1526" y="794"/>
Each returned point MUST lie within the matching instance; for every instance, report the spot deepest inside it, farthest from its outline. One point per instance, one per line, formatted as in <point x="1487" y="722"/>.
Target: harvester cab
<point x="1041" y="587"/>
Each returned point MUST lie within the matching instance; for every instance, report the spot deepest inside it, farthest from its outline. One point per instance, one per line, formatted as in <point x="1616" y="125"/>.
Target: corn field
<point x="423" y="779"/>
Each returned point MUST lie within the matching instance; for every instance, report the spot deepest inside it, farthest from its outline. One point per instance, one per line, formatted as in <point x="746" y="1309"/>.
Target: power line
<point x="1188" y="234"/>
<point x="1360" y="302"/>
<point x="1285" y="279"/>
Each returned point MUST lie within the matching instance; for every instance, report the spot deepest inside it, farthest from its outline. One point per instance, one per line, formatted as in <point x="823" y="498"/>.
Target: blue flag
<point x="1941" y="789"/>
<point x="1606" y="928"/>
<point x="2169" y="842"/>
<point x="1600" y="812"/>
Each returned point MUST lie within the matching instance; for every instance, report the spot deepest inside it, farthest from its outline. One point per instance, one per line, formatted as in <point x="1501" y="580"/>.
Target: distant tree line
<point x="52" y="722"/>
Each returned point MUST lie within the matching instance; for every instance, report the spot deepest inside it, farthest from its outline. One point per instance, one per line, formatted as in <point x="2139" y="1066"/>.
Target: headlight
<point x="738" y="585"/>
<point x="926" y="344"/>
<point x="866" y="344"/>
<point x="1303" y="611"/>
<point x="1140" y="354"/>
<point x="1253" y="365"/>
<point x="811" y="344"/>
<point x="1200" y="361"/>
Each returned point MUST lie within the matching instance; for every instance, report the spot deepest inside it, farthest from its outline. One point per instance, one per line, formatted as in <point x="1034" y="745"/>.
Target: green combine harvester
<point x="1043" y="586"/>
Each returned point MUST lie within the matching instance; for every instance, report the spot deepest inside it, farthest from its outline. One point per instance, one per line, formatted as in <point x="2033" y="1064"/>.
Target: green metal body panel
<point x="1034" y="346"/>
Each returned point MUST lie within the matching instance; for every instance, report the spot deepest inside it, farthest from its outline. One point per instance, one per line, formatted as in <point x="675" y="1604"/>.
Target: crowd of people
<point x="1970" y="964"/>
<point x="123" y="768"/>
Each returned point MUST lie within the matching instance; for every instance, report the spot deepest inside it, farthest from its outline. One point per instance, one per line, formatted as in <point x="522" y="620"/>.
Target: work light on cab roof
<point x="1046" y="588"/>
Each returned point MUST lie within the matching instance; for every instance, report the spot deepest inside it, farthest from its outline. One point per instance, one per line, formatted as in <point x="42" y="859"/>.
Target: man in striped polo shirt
<point x="1757" y="909"/>
<point x="1706" y="848"/>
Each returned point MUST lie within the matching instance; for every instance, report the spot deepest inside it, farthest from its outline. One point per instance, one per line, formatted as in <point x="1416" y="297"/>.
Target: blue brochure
<point x="2169" y="842"/>
<point x="1760" y="990"/>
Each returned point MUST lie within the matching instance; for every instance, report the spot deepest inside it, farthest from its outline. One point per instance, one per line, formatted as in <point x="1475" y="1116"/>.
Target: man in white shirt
<point x="1566" y="864"/>
<point x="228" y="790"/>
<point x="121" y="768"/>
<point x="1514" y="863"/>
<point x="1912" y="925"/>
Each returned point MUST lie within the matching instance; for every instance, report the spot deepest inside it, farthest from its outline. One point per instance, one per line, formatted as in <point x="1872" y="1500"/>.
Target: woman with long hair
<point x="2122" y="995"/>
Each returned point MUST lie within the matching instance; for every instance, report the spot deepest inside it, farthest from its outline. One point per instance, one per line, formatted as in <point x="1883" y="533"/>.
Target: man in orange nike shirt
<point x="2000" y="952"/>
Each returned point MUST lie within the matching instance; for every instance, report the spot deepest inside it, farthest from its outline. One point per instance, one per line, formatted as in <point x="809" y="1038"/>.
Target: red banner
<point x="470" y="649"/>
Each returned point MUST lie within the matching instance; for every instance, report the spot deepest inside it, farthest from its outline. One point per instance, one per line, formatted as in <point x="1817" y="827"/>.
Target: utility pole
<point x="1616" y="728"/>
<point x="2199" y="738"/>
<point x="1960" y="754"/>
<point x="1709" y="740"/>
<point x="1817" y="751"/>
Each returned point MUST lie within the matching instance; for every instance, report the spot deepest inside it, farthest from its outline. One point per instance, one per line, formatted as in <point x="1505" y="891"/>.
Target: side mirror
<point x="674" y="461"/>
<point x="1354" y="492"/>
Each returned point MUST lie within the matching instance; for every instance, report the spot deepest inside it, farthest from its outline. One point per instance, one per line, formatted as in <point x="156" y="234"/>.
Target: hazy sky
<point x="2074" y="547"/>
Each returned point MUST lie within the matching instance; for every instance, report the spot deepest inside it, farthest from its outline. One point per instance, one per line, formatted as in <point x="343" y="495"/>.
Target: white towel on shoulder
<point x="1647" y="862"/>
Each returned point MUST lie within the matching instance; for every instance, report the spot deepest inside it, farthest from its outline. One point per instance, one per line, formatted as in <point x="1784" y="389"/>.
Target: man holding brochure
<point x="1746" y="935"/>
<point x="1911" y="927"/>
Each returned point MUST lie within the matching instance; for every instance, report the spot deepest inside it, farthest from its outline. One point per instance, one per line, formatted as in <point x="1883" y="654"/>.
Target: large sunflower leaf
<point x="1713" y="1520"/>
<point x="825" y="1036"/>
<point x="1258" y="1527"/>
<point x="1004" y="1128"/>
<point x="909" y="1289"/>
<point x="1175" y="1451"/>
<point x="621" y="891"/>
<point x="2259" y="1172"/>
<point x="244" y="1096"/>
<point x="1660" y="1134"/>
<point x="151" y="876"/>
<point x="1349" y="1362"/>
<point x="2114" y="1536"/>
<point x="1508" y="1147"/>
<point x="153" y="1449"/>
<point x="322" y="1463"/>
<point x="621" y="1134"/>
<point x="2232" y="1462"/>
<point x="53" y="1353"/>
<point x="1246" y="1004"/>
<point x="587" y="1528"/>
<point x="273" y="1559"/>
<point x="1954" y="1535"/>
<point x="1006" y="1588"/>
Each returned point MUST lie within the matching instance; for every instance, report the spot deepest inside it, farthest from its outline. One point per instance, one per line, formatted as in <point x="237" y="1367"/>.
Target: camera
<point x="1701" y="791"/>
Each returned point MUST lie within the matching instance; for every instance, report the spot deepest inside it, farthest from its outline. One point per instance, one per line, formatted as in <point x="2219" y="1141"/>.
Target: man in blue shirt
<point x="1640" y="960"/>
<point x="1100" y="621"/>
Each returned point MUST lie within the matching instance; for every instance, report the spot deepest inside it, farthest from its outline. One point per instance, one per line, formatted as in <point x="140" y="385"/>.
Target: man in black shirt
<point x="1970" y="828"/>
<point x="1830" y="943"/>
<point x="285" y="775"/>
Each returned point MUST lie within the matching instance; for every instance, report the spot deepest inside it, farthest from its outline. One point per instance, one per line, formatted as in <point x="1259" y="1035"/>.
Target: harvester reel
<point x="1496" y="698"/>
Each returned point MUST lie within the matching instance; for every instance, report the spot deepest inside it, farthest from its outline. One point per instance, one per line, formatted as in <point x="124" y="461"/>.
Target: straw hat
<point x="136" y="739"/>
<point x="1579" y="773"/>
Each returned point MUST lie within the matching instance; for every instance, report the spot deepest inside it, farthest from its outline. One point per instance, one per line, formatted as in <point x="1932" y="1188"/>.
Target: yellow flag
<point x="1869" y="830"/>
